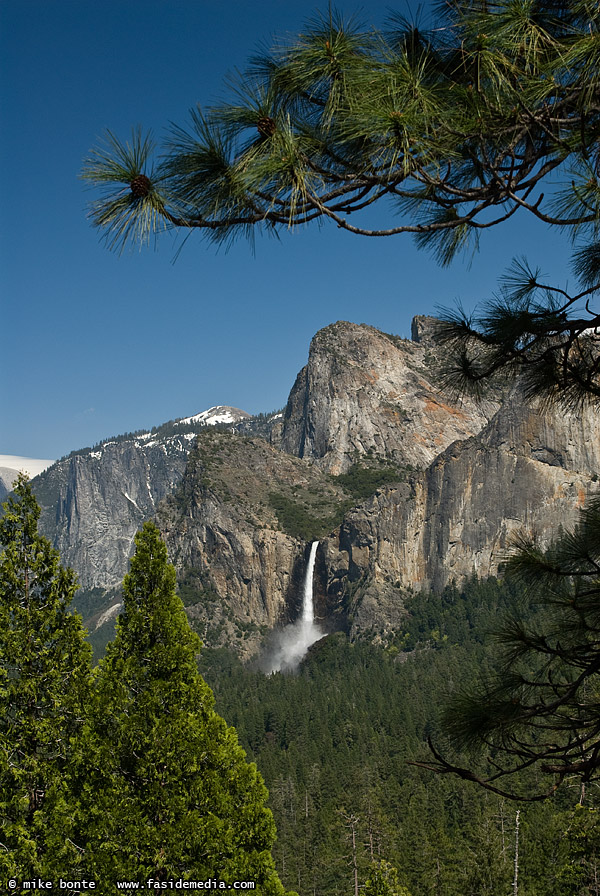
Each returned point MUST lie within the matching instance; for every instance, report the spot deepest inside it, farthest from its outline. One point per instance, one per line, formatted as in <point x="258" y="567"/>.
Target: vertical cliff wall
<point x="93" y="503"/>
<point x="528" y="470"/>
<point x="365" y="392"/>
<point x="236" y="529"/>
<point x="460" y="480"/>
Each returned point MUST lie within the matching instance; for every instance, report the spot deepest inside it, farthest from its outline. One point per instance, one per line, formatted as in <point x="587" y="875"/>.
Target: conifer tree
<point x="491" y="110"/>
<point x="539" y="709"/>
<point x="383" y="881"/>
<point x="165" y="789"/>
<point x="44" y="684"/>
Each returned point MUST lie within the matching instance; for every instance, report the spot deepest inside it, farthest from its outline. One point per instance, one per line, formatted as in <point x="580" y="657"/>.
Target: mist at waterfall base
<point x="290" y="644"/>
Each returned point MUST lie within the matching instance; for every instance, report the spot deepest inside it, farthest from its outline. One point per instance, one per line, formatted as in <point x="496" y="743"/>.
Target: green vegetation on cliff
<point x="363" y="480"/>
<point x="309" y="514"/>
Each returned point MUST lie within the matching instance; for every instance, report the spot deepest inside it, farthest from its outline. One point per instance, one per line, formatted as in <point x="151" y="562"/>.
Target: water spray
<point x="294" y="640"/>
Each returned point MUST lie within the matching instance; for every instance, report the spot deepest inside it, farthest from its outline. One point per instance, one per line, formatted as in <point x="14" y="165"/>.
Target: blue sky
<point x="95" y="344"/>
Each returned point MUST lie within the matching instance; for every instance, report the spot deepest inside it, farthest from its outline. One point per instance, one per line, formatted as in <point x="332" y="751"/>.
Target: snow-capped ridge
<point x="216" y="415"/>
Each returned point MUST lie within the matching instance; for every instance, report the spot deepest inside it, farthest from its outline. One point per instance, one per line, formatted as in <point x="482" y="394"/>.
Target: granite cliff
<point x="237" y="528"/>
<point x="529" y="470"/>
<point x="365" y="392"/>
<point x="404" y="488"/>
<point x="94" y="501"/>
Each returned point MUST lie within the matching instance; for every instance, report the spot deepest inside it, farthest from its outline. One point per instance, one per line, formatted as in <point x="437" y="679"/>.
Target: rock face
<point x="456" y="482"/>
<point x="364" y="391"/>
<point x="240" y="571"/>
<point x="94" y="502"/>
<point x="527" y="471"/>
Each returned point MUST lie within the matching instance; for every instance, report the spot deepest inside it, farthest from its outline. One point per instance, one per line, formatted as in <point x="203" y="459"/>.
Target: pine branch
<point x="481" y="110"/>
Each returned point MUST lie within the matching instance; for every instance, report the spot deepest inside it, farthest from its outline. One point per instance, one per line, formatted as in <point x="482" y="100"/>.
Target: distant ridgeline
<point x="405" y="488"/>
<point x="11" y="465"/>
<point x="223" y="418"/>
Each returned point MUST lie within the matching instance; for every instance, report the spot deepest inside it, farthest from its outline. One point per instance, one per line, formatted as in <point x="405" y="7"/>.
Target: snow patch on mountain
<point x="214" y="416"/>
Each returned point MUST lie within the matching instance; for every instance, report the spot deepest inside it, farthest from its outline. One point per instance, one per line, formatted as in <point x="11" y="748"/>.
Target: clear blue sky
<point x="94" y="344"/>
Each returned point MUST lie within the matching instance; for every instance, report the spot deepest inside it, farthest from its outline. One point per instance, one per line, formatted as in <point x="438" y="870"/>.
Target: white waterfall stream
<point x="308" y="610"/>
<point x="294" y="640"/>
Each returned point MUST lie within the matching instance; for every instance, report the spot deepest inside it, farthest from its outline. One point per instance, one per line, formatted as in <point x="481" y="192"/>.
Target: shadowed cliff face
<point x="238" y="511"/>
<point x="93" y="503"/>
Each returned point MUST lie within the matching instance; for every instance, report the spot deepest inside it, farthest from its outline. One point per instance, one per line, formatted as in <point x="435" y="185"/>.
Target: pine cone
<point x="140" y="186"/>
<point x="265" y="126"/>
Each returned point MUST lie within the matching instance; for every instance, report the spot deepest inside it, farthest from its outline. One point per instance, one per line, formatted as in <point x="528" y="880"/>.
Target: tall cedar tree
<point x="45" y="675"/>
<point x="165" y="790"/>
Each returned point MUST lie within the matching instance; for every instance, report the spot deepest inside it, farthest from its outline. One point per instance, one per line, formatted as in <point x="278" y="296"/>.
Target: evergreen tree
<point x="533" y="331"/>
<point x="457" y="126"/>
<point x="44" y="685"/>
<point x="165" y="789"/>
<point x="539" y="709"/>
<point x="578" y="862"/>
<point x="383" y="881"/>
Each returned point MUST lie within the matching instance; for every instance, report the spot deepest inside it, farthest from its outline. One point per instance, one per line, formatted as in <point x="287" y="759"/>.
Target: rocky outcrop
<point x="94" y="502"/>
<point x="364" y="392"/>
<point x="236" y="530"/>
<point x="527" y="471"/>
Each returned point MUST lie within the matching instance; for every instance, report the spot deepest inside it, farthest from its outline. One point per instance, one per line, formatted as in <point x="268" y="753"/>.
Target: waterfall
<point x="308" y="613"/>
<point x="294" y="640"/>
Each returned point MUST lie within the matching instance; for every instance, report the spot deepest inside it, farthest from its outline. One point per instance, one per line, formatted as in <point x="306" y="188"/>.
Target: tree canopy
<point x="538" y="710"/>
<point x="539" y="333"/>
<point x="129" y="773"/>
<point x="164" y="789"/>
<point x="44" y="687"/>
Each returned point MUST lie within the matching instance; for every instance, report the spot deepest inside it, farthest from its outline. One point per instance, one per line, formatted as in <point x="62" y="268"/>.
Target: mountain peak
<point x="218" y="414"/>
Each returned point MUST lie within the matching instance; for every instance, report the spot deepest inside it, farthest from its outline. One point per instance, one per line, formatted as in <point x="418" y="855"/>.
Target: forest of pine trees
<point x="129" y="771"/>
<point x="335" y="745"/>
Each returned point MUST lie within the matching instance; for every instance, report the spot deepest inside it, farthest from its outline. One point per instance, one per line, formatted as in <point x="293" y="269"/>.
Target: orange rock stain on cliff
<point x="432" y="406"/>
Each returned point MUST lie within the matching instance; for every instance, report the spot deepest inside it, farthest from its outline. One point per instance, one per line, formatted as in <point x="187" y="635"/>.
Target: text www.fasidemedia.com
<point x="19" y="887"/>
